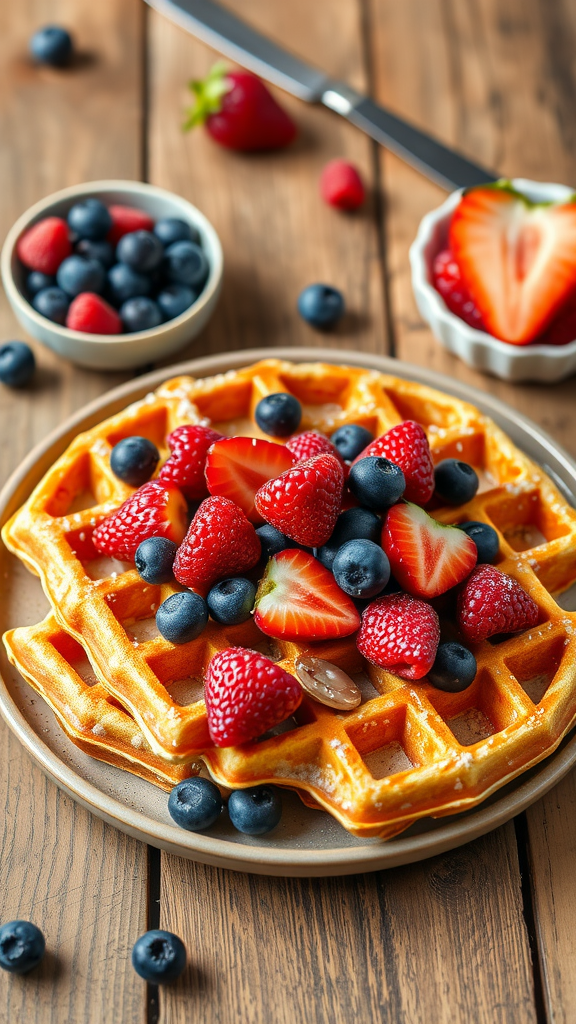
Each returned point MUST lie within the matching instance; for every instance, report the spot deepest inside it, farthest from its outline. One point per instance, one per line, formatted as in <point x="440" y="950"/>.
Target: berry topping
<point x="353" y="524"/>
<point x="448" y="281"/>
<point x="321" y="305"/>
<point x="154" y="510"/>
<point x="236" y="467"/>
<point x="406" y="445"/>
<point x="52" y="45"/>
<point x="351" y="440"/>
<point x="299" y="599"/>
<point x="307" y="445"/>
<point x="37" y="281"/>
<point x="361" y="568"/>
<point x="140" y="314"/>
<point x="140" y="250"/>
<point x="185" y="263"/>
<point x="101" y="251"/>
<point x="89" y="219"/>
<point x="485" y="539"/>
<point x="52" y="303"/>
<point x="401" y="634"/>
<point x="454" y="668"/>
<point x="126" y="220"/>
<point x="376" y="482"/>
<point x="134" y="460"/>
<point x="456" y="482"/>
<point x="159" y="956"/>
<point x="189" y="445"/>
<point x="45" y="245"/>
<point x="175" y="299"/>
<point x="195" y="804"/>
<point x="273" y="541"/>
<point x="255" y="811"/>
<point x="220" y="542"/>
<point x="174" y="229"/>
<point x="154" y="559"/>
<point x="278" y="415"/>
<point x="341" y="185"/>
<point x="231" y="601"/>
<point x="125" y="283"/>
<point x="17" y="364"/>
<point x="182" y="617"/>
<point x="76" y="274"/>
<point x="426" y="557"/>
<point x="91" y="314"/>
<point x="491" y="603"/>
<point x="304" y="502"/>
<point x="246" y="694"/>
<point x="22" y="946"/>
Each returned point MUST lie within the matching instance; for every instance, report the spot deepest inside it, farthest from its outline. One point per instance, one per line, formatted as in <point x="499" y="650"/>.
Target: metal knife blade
<point x="228" y="34"/>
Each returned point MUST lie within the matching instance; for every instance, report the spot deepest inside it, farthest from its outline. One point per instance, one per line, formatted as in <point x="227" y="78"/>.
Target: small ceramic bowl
<point x="544" y="363"/>
<point x="114" y="351"/>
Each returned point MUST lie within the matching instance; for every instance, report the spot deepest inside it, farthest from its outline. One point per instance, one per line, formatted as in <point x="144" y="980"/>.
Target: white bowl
<point x="545" y="363"/>
<point x="114" y="351"/>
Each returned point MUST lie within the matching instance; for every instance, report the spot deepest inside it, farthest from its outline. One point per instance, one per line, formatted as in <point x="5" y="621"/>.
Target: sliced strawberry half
<point x="298" y="599"/>
<point x="237" y="467"/>
<point x="517" y="258"/>
<point x="426" y="557"/>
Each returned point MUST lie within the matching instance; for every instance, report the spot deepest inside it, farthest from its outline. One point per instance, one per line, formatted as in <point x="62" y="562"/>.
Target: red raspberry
<point x="304" y="502"/>
<point x="492" y="602"/>
<point x="185" y="468"/>
<point x="246" y="694"/>
<point x="341" y="185"/>
<point x="220" y="542"/>
<point x="448" y="281"/>
<point x="310" y="443"/>
<point x="154" y="510"/>
<point x="45" y="245"/>
<point x="91" y="314"/>
<point x="400" y="633"/>
<point x="126" y="219"/>
<point x="406" y="445"/>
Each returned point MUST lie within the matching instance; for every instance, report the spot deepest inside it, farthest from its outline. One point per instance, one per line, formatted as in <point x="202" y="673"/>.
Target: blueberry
<point x="272" y="541"/>
<point x="361" y="568"/>
<point x="37" y="281"/>
<point x="255" y="811"/>
<point x="186" y="263"/>
<point x="278" y="415"/>
<point x="17" y="363"/>
<point x="231" y="601"/>
<point x="173" y="229"/>
<point x="195" y="804"/>
<point x="52" y="303"/>
<point x="353" y="524"/>
<point x="141" y="250"/>
<point x="321" y="305"/>
<point x="174" y="299"/>
<point x="89" y="219"/>
<point x="376" y="482"/>
<point x="485" y="539"/>
<point x="134" y="459"/>
<point x="76" y="274"/>
<point x="140" y="314"/>
<point x="99" y="250"/>
<point x="350" y="440"/>
<point x="159" y="956"/>
<point x="182" y="617"/>
<point x="154" y="559"/>
<point x="125" y="283"/>
<point x="22" y="946"/>
<point x="454" y="668"/>
<point x="456" y="482"/>
<point x="51" y="45"/>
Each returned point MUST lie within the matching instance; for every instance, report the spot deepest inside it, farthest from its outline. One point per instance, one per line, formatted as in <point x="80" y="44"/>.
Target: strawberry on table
<point x="154" y="510"/>
<point x="427" y="558"/>
<point x="406" y="445"/>
<point x="220" y="542"/>
<point x="310" y="443"/>
<point x="304" y="502"/>
<point x="236" y="467"/>
<point x="125" y="220"/>
<point x="45" y="245"/>
<point x="491" y="602"/>
<point x="188" y="446"/>
<point x="90" y="313"/>
<point x="401" y="634"/>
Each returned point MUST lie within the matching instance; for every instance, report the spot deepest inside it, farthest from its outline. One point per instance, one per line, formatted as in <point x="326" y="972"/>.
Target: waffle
<point x="408" y="750"/>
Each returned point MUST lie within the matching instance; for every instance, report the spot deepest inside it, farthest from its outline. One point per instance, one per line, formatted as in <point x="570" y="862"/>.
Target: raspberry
<point x="45" y="245"/>
<point x="246" y="694"/>
<point x="304" y="502"/>
<point x="400" y="633"/>
<point x="88" y="312"/>
<point x="126" y="219"/>
<point x="220" y="542"/>
<point x="492" y="602"/>
<point x="406" y="445"/>
<point x="448" y="281"/>
<point x="154" y="510"/>
<point x="341" y="185"/>
<point x="307" y="445"/>
<point x="185" y="467"/>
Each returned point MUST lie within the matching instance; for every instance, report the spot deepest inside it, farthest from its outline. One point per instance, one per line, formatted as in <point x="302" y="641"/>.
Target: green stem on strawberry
<point x="208" y="93"/>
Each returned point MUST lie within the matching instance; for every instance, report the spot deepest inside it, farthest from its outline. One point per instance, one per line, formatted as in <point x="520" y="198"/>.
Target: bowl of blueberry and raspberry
<point x="494" y="274"/>
<point x="112" y="274"/>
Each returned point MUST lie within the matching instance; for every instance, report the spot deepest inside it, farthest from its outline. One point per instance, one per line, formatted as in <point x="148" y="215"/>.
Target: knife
<point x="228" y="34"/>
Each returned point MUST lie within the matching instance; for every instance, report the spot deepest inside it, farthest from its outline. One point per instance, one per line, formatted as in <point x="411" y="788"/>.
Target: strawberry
<point x="310" y="443"/>
<point x="189" y="445"/>
<point x="401" y="634"/>
<point x="517" y="258"/>
<point x="239" y="112"/>
<point x="154" y="510"/>
<point x="562" y="330"/>
<point x="426" y="557"/>
<point x="341" y="185"/>
<point x="298" y="598"/>
<point x="304" y="502"/>
<point x="45" y="245"/>
<point x="220" y="542"/>
<point x="447" y="280"/>
<point x="406" y="445"/>
<point x="126" y="219"/>
<point x="492" y="602"/>
<point x="237" y="467"/>
<point x="88" y="312"/>
<point x="246" y="694"/>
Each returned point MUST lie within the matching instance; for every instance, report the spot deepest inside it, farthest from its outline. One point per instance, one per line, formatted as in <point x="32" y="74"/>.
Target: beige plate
<point x="307" y="842"/>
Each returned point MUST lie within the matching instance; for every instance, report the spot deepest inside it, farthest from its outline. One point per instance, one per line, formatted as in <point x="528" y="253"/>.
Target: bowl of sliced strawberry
<point x="494" y="274"/>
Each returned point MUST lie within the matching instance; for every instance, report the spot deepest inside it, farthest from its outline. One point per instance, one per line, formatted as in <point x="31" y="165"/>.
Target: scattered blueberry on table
<point x="52" y="45"/>
<point x="195" y="804"/>
<point x="321" y="305"/>
<point x="159" y="956"/>
<point x="17" y="364"/>
<point x="22" y="946"/>
<point x="182" y="617"/>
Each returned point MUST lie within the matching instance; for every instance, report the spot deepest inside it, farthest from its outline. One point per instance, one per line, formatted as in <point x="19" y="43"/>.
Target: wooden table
<point x="483" y="934"/>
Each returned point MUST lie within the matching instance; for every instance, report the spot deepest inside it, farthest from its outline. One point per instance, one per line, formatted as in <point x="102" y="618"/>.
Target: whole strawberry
<point x="400" y="633"/>
<point x="491" y="603"/>
<point x="239" y="112"/>
<point x="154" y="510"/>
<point x="310" y="443"/>
<point x="189" y="445"/>
<point x="246" y="694"/>
<point x="45" y="245"/>
<point x="406" y="445"/>
<point x="220" y="542"/>
<point x="304" y="502"/>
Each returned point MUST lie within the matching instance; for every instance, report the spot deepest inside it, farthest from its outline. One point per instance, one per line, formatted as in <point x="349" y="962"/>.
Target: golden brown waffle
<point x="410" y="752"/>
